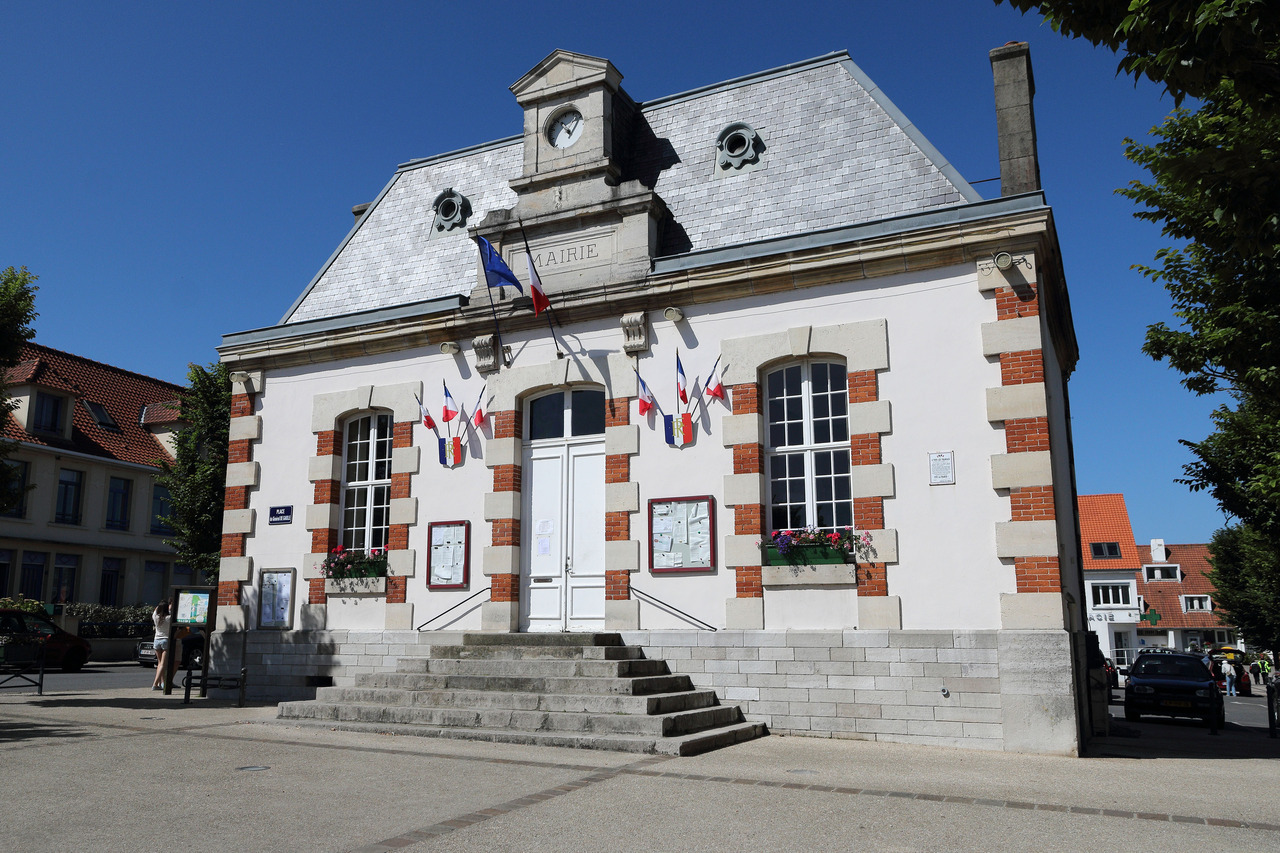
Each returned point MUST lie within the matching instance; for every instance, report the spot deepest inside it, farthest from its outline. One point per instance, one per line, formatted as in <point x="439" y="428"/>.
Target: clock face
<point x="565" y="129"/>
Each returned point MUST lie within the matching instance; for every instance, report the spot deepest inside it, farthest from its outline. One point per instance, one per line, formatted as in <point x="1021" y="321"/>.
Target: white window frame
<point x="809" y="450"/>
<point x="1187" y="599"/>
<point x="366" y="493"/>
<point x="1100" y="586"/>
<point x="1148" y="573"/>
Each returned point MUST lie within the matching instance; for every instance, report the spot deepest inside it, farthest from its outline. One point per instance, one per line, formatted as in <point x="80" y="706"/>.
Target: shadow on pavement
<point x="11" y="732"/>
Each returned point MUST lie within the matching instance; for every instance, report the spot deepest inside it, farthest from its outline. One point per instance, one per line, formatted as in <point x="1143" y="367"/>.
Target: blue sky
<point x="177" y="171"/>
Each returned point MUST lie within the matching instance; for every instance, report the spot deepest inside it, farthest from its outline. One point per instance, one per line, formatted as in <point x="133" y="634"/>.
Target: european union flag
<point x="496" y="271"/>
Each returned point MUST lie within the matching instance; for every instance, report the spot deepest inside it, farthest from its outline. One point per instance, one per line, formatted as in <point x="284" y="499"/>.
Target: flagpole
<point x="502" y="352"/>
<point x="550" y="308"/>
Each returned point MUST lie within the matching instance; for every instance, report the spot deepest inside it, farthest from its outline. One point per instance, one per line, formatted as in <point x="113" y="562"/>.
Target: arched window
<point x="807" y="449"/>
<point x="559" y="415"/>
<point x="366" y="482"/>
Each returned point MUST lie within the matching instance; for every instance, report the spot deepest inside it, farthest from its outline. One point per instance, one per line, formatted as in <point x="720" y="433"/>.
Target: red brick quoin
<point x="868" y="512"/>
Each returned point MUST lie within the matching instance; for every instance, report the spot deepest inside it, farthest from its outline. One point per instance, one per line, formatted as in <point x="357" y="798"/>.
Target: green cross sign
<point x="1153" y="617"/>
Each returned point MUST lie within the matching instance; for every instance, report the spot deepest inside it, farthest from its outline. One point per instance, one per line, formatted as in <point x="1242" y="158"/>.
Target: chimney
<point x="359" y="209"/>
<point x="1158" y="554"/>
<point x="1015" y="118"/>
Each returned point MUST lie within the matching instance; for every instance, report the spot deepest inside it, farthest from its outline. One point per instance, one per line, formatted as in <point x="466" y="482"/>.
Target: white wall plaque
<point x="942" y="468"/>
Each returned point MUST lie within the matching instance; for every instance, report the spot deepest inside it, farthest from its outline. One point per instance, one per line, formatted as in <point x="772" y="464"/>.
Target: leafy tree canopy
<point x="1246" y="578"/>
<point x="17" y="313"/>
<point x="196" y="477"/>
<point x="1190" y="46"/>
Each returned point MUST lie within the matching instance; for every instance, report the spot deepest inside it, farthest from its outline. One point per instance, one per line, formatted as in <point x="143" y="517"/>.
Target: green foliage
<point x="1246" y="577"/>
<point x="30" y="605"/>
<point x="1190" y="46"/>
<point x="196" y="478"/>
<point x="109" y="613"/>
<point x="17" y="313"/>
<point x="1216" y="183"/>
<point x="341" y="563"/>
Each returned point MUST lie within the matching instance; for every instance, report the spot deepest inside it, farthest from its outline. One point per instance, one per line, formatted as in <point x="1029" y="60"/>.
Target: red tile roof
<point x="1164" y="597"/>
<point x="1105" y="518"/>
<point x="122" y="393"/>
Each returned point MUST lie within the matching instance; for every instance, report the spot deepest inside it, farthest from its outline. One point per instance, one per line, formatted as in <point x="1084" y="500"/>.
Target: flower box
<point x="355" y="586"/>
<point x="805" y="555"/>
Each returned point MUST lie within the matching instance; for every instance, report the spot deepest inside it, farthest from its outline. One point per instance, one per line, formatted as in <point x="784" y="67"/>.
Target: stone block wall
<point x="997" y="690"/>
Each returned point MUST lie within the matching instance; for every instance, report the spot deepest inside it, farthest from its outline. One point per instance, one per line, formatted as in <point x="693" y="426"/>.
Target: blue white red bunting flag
<point x="427" y="420"/>
<point x="540" y="300"/>
<point x="478" y="415"/>
<point x="715" y="385"/>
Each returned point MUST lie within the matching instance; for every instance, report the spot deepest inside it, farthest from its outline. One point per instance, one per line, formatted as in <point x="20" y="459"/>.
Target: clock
<point x="565" y="129"/>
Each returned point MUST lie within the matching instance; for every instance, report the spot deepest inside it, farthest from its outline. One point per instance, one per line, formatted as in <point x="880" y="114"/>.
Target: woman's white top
<point x="162" y="625"/>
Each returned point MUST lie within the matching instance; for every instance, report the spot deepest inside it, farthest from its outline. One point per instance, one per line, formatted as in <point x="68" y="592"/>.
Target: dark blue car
<point x="1173" y="685"/>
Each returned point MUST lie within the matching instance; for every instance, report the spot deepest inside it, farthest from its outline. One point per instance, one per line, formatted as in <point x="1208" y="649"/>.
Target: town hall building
<point x="865" y="344"/>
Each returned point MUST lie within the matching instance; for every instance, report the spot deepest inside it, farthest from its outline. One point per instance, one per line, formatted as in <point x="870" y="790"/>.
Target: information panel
<point x="448" y="554"/>
<point x="682" y="534"/>
<point x="275" y="599"/>
<point x="193" y="606"/>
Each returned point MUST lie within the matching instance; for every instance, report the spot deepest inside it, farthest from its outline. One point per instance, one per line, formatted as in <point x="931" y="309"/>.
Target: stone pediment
<point x="563" y="73"/>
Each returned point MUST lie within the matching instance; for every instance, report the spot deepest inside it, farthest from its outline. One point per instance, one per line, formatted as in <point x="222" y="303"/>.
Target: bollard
<point x="1271" y="708"/>
<point x="243" y="679"/>
<point x="186" y="686"/>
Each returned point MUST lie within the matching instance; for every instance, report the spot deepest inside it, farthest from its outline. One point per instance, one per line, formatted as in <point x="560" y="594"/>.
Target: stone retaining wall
<point x="1001" y="690"/>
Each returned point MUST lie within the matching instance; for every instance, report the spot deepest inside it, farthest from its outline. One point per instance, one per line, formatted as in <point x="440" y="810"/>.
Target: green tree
<point x="1189" y="46"/>
<point x="17" y="313"/>
<point x="196" y="478"/>
<point x="1246" y="578"/>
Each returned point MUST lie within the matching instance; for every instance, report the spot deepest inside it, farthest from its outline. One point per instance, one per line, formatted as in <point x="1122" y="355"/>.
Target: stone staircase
<point x="587" y="691"/>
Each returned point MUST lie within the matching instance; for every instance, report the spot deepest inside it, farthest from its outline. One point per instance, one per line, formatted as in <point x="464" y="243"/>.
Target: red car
<point x="1244" y="684"/>
<point x="61" y="649"/>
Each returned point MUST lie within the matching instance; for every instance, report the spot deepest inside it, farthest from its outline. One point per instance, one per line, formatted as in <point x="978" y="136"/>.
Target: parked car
<point x="61" y="648"/>
<point x="1173" y="685"/>
<point x="1113" y="677"/>
<point x="192" y="651"/>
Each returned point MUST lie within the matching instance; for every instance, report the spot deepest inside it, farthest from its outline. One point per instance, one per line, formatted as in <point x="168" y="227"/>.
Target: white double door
<point x="562" y="528"/>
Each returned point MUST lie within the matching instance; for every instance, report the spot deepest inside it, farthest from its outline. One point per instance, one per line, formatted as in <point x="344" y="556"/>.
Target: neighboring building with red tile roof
<point x="1144" y="596"/>
<point x="90" y="440"/>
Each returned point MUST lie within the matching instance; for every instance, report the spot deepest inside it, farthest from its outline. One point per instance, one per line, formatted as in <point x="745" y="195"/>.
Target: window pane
<point x="153" y="581"/>
<point x="793" y="381"/>
<point x="161" y="508"/>
<point x="821" y="432"/>
<point x="588" y="413"/>
<point x="65" y="568"/>
<point x="109" y="586"/>
<point x="546" y="417"/>
<point x="33" y="566"/>
<point x="119" y="490"/>
<point x="19" y="510"/>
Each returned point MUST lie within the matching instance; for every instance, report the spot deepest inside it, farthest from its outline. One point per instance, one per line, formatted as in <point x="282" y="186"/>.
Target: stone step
<point x="595" y="726"/>
<point x="644" y="685"/>
<point x="534" y="667"/>
<point x="661" y="703"/>
<point x="689" y="744"/>
<point x="535" y="652"/>
<point x="556" y="639"/>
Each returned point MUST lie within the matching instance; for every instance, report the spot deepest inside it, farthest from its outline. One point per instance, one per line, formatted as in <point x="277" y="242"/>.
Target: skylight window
<point x="101" y="416"/>
<point x="1105" y="550"/>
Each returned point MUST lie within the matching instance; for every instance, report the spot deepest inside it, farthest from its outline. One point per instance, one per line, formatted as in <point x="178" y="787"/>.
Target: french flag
<point x="680" y="380"/>
<point x="451" y="451"/>
<point x="646" y="397"/>
<point x="540" y="300"/>
<point x="427" y="420"/>
<point x="450" y="407"/>
<point x="478" y="417"/>
<point x="715" y="385"/>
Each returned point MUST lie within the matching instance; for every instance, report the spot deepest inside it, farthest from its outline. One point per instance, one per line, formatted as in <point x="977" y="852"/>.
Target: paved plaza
<point x="131" y="770"/>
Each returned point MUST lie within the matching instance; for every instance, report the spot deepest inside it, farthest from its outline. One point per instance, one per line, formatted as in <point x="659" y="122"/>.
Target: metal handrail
<point x="484" y="591"/>
<point x="655" y="600"/>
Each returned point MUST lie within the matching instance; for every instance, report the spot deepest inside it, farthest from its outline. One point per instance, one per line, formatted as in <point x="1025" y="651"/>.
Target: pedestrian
<point x="1229" y="673"/>
<point x="1255" y="672"/>
<point x="160" y="616"/>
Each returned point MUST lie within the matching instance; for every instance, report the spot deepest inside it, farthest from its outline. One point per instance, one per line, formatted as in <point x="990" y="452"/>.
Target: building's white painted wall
<point x="948" y="575"/>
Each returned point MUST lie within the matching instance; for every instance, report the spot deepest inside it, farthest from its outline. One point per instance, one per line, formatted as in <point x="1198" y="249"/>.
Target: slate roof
<point x="838" y="153"/>
<point x="1105" y="518"/>
<point x="122" y="393"/>
<point x="1164" y="596"/>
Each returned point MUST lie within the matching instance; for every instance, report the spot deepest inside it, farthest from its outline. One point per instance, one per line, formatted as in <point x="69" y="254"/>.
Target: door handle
<point x="568" y="566"/>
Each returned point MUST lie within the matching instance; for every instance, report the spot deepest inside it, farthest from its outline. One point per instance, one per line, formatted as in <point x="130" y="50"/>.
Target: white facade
<point x="945" y="315"/>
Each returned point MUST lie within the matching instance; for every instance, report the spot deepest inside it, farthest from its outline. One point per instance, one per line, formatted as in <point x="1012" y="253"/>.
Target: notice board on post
<point x="193" y="605"/>
<point x="682" y="534"/>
